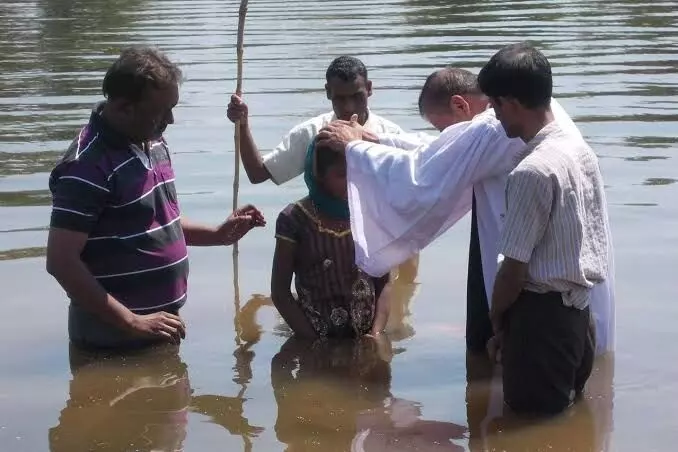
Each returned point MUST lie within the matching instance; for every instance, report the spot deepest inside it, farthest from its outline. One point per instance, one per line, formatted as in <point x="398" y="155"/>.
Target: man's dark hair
<point x="444" y="83"/>
<point x="326" y="158"/>
<point x="138" y="69"/>
<point x="519" y="71"/>
<point x="346" y="68"/>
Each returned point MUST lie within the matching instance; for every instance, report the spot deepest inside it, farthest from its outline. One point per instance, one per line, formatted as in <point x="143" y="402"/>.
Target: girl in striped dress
<point x="335" y="299"/>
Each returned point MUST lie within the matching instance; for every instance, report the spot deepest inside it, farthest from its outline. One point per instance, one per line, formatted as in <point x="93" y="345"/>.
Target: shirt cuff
<point x="516" y="253"/>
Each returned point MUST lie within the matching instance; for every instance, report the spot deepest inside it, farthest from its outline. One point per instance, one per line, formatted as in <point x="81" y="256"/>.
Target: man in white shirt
<point x="347" y="87"/>
<point x="401" y="201"/>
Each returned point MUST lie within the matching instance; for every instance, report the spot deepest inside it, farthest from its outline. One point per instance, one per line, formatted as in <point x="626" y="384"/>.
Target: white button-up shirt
<point x="286" y="160"/>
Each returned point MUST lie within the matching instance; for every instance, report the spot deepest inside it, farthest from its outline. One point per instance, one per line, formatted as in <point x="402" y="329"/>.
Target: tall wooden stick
<point x="236" y="175"/>
<point x="238" y="90"/>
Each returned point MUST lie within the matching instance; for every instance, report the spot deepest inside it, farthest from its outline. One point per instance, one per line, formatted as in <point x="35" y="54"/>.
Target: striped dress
<point x="337" y="298"/>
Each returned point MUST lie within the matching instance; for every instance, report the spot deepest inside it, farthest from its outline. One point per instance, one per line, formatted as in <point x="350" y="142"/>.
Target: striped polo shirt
<point x="123" y="197"/>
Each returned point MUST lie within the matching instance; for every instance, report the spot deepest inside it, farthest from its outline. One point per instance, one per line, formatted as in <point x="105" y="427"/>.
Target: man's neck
<point x="539" y="120"/>
<point x="113" y="121"/>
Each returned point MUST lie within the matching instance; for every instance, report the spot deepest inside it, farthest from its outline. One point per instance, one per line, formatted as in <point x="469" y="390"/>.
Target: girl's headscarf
<point x="329" y="205"/>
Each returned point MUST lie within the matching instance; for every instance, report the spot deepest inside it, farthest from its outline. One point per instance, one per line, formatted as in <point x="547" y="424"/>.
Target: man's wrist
<point x="127" y="318"/>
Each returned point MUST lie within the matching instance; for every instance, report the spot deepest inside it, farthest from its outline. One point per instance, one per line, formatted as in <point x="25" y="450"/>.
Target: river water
<point x="616" y="72"/>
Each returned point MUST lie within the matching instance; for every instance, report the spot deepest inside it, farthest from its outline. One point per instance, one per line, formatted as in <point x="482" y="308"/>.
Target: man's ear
<point x="327" y="91"/>
<point x="457" y="102"/>
<point x="368" y="85"/>
<point x="120" y="105"/>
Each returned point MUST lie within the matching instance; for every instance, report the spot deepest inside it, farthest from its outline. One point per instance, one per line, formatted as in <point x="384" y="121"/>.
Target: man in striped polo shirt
<point x="117" y="242"/>
<point x="554" y="242"/>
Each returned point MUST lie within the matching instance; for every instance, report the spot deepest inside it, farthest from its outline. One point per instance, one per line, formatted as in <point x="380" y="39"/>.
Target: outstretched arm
<point x="239" y="223"/>
<point x="401" y="201"/>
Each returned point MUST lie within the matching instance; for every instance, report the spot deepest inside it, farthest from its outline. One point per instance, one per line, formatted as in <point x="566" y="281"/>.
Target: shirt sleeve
<point x="402" y="201"/>
<point x="529" y="196"/>
<point x="286" y="161"/>
<point x="406" y="141"/>
<point x="286" y="227"/>
<point x="80" y="191"/>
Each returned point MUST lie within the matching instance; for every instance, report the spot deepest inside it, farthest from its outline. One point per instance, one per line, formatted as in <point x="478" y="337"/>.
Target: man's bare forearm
<point x="251" y="157"/>
<point x="198" y="234"/>
<point x="85" y="290"/>
<point x="509" y="283"/>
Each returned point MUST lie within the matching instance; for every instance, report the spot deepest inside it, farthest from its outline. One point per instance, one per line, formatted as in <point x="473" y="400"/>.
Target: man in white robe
<point x="450" y="96"/>
<point x="401" y="201"/>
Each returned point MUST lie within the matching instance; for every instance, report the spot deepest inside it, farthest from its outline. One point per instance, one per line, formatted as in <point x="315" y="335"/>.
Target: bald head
<point x="450" y="95"/>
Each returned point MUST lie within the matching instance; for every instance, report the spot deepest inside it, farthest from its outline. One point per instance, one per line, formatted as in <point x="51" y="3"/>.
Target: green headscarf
<point x="329" y="205"/>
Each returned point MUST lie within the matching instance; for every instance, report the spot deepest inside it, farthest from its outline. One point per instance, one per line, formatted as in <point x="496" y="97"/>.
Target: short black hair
<point x="346" y="68"/>
<point x="444" y="83"/>
<point x="521" y="72"/>
<point x="137" y="69"/>
<point x="326" y="158"/>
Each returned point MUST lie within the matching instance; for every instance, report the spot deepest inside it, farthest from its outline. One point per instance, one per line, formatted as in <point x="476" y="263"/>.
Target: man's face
<point x="149" y="117"/>
<point x="349" y="97"/>
<point x="507" y="112"/>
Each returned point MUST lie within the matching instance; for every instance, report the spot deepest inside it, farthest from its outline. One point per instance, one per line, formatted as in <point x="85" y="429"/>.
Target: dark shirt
<point x="337" y="298"/>
<point x="123" y="197"/>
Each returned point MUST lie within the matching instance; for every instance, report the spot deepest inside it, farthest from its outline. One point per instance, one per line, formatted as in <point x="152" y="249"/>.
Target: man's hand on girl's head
<point x="337" y="134"/>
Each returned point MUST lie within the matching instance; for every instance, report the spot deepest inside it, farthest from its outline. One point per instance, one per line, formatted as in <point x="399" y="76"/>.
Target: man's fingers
<point x="165" y="335"/>
<point x="332" y="127"/>
<point x="245" y="208"/>
<point x="168" y="315"/>
<point x="168" y="330"/>
<point x="176" y="322"/>
<point x="342" y="122"/>
<point x="178" y="325"/>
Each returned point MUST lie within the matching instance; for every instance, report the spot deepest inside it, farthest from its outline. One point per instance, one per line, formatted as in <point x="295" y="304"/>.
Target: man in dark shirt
<point x="117" y="242"/>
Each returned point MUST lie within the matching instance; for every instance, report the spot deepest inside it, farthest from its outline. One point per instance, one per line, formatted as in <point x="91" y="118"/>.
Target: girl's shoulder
<point x="295" y="214"/>
<point x="296" y="209"/>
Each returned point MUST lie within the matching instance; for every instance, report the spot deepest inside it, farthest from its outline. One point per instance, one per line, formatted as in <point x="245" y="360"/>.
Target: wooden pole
<point x="236" y="175"/>
<point x="238" y="90"/>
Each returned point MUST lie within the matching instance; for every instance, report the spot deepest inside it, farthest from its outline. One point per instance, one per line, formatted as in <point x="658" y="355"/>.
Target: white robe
<point x="401" y="201"/>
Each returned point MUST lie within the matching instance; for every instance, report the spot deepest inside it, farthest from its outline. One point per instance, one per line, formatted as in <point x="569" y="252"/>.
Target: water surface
<point x="238" y="382"/>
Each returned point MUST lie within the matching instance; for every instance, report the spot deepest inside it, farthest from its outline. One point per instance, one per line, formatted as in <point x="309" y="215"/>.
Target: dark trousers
<point x="88" y="332"/>
<point x="547" y="353"/>
<point x="478" y="325"/>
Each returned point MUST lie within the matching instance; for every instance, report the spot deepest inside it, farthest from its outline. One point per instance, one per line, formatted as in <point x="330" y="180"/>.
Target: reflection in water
<point x="141" y="401"/>
<point x="336" y="396"/>
<point x="14" y="163"/>
<point x="228" y="411"/>
<point x="586" y="427"/>
<point x="659" y="181"/>
<point x="136" y="402"/>
<point x="645" y="158"/>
